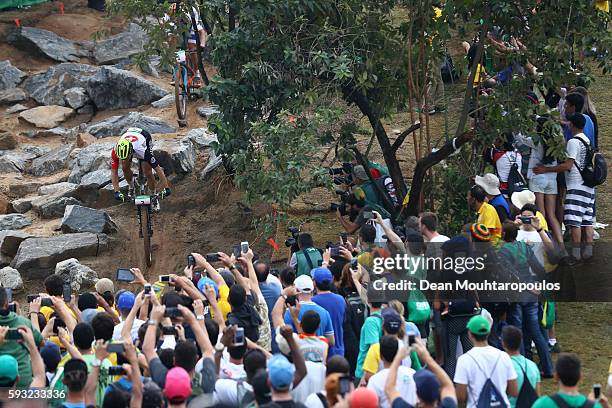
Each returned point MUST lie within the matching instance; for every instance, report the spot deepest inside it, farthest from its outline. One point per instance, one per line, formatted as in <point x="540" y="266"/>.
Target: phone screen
<point x="411" y="339"/>
<point x="164" y="278"/>
<point x="115" y="348"/>
<point x="190" y="260"/>
<point x="244" y="247"/>
<point x="597" y="391"/>
<point x="67" y="293"/>
<point x="58" y="323"/>
<point x="236" y="249"/>
<point x="13" y="334"/>
<point x="9" y="294"/>
<point x="239" y="337"/>
<point x="212" y="257"/>
<point x="125" y="275"/>
<point x="344" y="385"/>
<point x="147" y="289"/>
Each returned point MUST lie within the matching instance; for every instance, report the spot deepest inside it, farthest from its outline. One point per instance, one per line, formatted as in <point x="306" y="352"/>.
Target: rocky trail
<point x="64" y="100"/>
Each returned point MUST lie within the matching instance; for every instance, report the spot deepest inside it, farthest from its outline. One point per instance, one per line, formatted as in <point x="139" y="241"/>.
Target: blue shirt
<point x="325" y="328"/>
<point x="271" y="293"/>
<point x="589" y="131"/>
<point x="336" y="307"/>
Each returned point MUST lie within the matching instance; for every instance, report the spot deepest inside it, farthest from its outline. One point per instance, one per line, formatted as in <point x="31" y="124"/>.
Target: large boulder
<point x="45" y="42"/>
<point x="11" y="278"/>
<point x="79" y="276"/>
<point x="56" y="208"/>
<point x="51" y="162"/>
<point x="85" y="219"/>
<point x="167" y="100"/>
<point x="201" y="138"/>
<point x="214" y="162"/>
<point x="12" y="95"/>
<point x="46" y="116"/>
<point x="63" y="187"/>
<point x="93" y="157"/>
<point x="116" y="125"/>
<point x="120" y="46"/>
<point x="11" y="163"/>
<point x="16" y="109"/>
<point x="8" y="141"/>
<point x="14" y="222"/>
<point x="37" y="257"/>
<point x="10" y="241"/>
<point x="23" y="188"/>
<point x="175" y="156"/>
<point x="96" y="179"/>
<point x="207" y="111"/>
<point x="10" y="76"/>
<point x="113" y="88"/>
<point x="76" y="97"/>
<point x="48" y="88"/>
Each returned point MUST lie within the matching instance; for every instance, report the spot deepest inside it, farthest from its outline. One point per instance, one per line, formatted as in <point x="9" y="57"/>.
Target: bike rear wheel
<point x="181" y="93"/>
<point x="145" y="223"/>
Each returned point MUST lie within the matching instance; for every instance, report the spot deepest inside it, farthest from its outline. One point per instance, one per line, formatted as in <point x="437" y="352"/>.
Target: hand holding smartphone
<point x="124" y="275"/>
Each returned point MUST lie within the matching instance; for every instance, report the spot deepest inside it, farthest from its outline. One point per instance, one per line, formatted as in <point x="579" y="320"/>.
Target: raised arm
<point x="92" y="380"/>
<point x="202" y="263"/>
<point x="296" y="354"/>
<point x="62" y="312"/>
<point x="64" y="338"/>
<point x="134" y="372"/>
<point x="39" y="379"/>
<point x="104" y="305"/>
<point x="129" y="321"/>
<point x="447" y="388"/>
<point x="279" y="307"/>
<point x="211" y="296"/>
<point x="391" y="235"/>
<point x="148" y="345"/>
<point x="240" y="280"/>
<point x="247" y="260"/>
<point x="200" y="334"/>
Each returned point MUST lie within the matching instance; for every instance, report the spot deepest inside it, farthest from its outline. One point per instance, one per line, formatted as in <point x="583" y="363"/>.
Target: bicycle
<point x="143" y="203"/>
<point x="184" y="75"/>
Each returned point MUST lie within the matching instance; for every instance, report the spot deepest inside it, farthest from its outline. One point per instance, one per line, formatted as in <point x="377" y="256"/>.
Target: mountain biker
<point x="136" y="142"/>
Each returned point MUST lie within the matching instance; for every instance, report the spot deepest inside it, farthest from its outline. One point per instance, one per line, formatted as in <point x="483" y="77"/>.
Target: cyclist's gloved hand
<point x="119" y="196"/>
<point x="165" y="193"/>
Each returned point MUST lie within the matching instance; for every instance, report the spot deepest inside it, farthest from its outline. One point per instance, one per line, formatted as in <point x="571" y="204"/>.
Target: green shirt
<point x="371" y="332"/>
<point x="521" y="364"/>
<point x="103" y="379"/>
<point x="18" y="349"/>
<point x="571" y="400"/>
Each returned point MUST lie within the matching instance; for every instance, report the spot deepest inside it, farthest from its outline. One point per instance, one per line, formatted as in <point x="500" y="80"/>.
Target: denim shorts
<point x="543" y="183"/>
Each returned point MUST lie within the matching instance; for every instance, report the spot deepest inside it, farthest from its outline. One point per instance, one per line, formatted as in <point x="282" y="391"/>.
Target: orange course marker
<point x="18" y="22"/>
<point x="60" y="6"/>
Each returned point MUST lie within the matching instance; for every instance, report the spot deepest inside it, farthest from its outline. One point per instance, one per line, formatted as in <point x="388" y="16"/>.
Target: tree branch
<point x="400" y="139"/>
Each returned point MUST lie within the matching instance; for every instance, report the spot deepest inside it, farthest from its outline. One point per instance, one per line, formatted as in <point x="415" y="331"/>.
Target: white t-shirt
<point x="493" y="363"/>
<point x="577" y="151"/>
<point x="536" y="156"/>
<point x="439" y="238"/>
<point x="505" y="162"/>
<point x="312" y="383"/>
<point x="231" y="370"/>
<point x="313" y="400"/>
<point x="226" y="391"/>
<point x="404" y="385"/>
<point x="273" y="280"/>
<point x="534" y="240"/>
<point x="133" y="332"/>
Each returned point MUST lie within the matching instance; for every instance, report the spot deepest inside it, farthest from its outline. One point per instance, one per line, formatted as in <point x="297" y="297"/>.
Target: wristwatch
<point x="200" y="317"/>
<point x="152" y="323"/>
<point x="96" y="363"/>
<point x="219" y="347"/>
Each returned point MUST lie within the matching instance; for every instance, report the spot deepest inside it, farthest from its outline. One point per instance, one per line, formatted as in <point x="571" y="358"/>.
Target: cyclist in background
<point x="136" y="142"/>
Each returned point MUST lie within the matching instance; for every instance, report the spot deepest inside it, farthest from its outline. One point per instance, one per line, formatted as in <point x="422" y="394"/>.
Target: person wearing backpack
<point x="579" y="200"/>
<point x="567" y="374"/>
<point x="508" y="163"/>
<point x="528" y="373"/>
<point x="485" y="376"/>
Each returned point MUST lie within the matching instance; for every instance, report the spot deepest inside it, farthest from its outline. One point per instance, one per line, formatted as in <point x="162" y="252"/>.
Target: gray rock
<point x="8" y="141"/>
<point x="10" y="241"/>
<point x="214" y="162"/>
<point x="11" y="163"/>
<point x="56" y="208"/>
<point x="51" y="162"/>
<point x="12" y="95"/>
<point x="16" y="109"/>
<point x="113" y="88"/>
<point x="10" y="76"/>
<point x="93" y="157"/>
<point x="201" y="138"/>
<point x="163" y="102"/>
<point x="46" y="201"/>
<point x="84" y="219"/>
<point x="37" y="257"/>
<point x="23" y="188"/>
<point x="5" y="260"/>
<point x="206" y="111"/>
<point x="48" y="88"/>
<point x="116" y="125"/>
<point x="120" y="46"/>
<point x="79" y="276"/>
<point x="46" y="42"/>
<point x="96" y="179"/>
<point x="175" y="156"/>
<point x="63" y="187"/>
<point x="37" y="151"/>
<point x="11" y="278"/>
<point x="14" y="222"/>
<point x="46" y="116"/>
<point x="87" y="109"/>
<point x="22" y="205"/>
<point x="56" y="131"/>
<point x="152" y="67"/>
<point x="76" y="97"/>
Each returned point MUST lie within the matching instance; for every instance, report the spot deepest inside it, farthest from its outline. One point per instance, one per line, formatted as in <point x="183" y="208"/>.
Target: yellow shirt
<point x="543" y="222"/>
<point x="602" y="5"/>
<point x="488" y="217"/>
<point x="223" y="302"/>
<point x="371" y="363"/>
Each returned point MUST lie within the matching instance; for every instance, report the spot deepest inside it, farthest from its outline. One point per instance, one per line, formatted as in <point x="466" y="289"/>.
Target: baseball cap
<point x="51" y="355"/>
<point x="427" y="386"/>
<point x="479" y="325"/>
<point x="126" y="301"/>
<point x="303" y="283"/>
<point x="321" y="274"/>
<point x="364" y="398"/>
<point x="104" y="285"/>
<point x="280" y="372"/>
<point x="489" y="182"/>
<point x="207" y="281"/>
<point x="178" y="385"/>
<point x="392" y="321"/>
<point x="8" y="370"/>
<point x="87" y="315"/>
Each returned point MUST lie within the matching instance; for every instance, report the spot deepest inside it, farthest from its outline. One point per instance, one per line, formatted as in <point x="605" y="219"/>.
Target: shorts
<point x="578" y="207"/>
<point x="148" y="154"/>
<point x="543" y="183"/>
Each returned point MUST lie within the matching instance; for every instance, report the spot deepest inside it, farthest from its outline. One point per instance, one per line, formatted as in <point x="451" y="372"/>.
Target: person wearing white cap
<point x="490" y="183"/>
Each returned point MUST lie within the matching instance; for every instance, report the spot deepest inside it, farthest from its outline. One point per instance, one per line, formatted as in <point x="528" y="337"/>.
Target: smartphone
<point x="115" y="348"/>
<point x="411" y="340"/>
<point x="12" y="307"/>
<point x="244" y="247"/>
<point x="343" y="238"/>
<point x="236" y="251"/>
<point x="9" y="295"/>
<point x="31" y="298"/>
<point x="13" y="334"/>
<point x="169" y="330"/>
<point x="525" y="220"/>
<point x="368" y="215"/>
<point x="46" y="302"/>
<point x="214" y="257"/>
<point x="239" y="337"/>
<point x="597" y="391"/>
<point x="291" y="301"/>
<point x="116" y="370"/>
<point x="335" y="251"/>
<point x="124" y="275"/>
<point x="190" y="260"/>
<point x="344" y="385"/>
<point x="147" y="289"/>
<point x="67" y="292"/>
<point x="172" y="312"/>
<point x="58" y="323"/>
<point x="354" y="263"/>
<point x="164" y="278"/>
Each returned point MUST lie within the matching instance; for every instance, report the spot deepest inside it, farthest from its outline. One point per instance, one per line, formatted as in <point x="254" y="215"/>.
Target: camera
<point x="525" y="220"/>
<point x="116" y="370"/>
<point x="346" y="168"/>
<point x="341" y="207"/>
<point x="292" y="242"/>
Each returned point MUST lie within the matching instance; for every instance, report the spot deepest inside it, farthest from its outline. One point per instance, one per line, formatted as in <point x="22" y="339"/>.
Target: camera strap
<point x="305" y="252"/>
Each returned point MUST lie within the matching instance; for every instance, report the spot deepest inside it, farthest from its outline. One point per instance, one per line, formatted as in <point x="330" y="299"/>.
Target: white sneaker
<point x="595" y="235"/>
<point x="155" y="205"/>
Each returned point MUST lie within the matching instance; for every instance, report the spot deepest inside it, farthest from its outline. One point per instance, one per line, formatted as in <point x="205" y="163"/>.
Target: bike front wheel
<point x="181" y="93"/>
<point x="145" y="226"/>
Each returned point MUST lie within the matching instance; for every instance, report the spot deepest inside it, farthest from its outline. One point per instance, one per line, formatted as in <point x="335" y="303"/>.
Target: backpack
<point x="527" y="394"/>
<point x="418" y="307"/>
<point x="489" y="394"/>
<point x="562" y="404"/>
<point x="516" y="181"/>
<point x="595" y="168"/>
<point x="322" y="399"/>
<point x="357" y="309"/>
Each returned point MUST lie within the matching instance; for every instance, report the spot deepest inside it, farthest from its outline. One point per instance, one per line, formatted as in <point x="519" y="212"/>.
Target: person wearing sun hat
<point x="490" y="183"/>
<point x="521" y="198"/>
<point x="481" y="363"/>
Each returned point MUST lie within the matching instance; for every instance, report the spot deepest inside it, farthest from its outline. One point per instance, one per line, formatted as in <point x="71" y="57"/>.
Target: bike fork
<point x="139" y="222"/>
